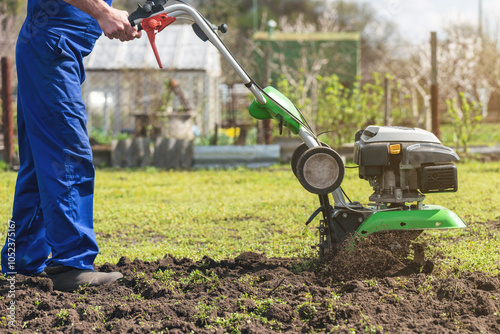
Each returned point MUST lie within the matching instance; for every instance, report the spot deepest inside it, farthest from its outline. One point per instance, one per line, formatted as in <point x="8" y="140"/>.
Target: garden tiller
<point x="399" y="163"/>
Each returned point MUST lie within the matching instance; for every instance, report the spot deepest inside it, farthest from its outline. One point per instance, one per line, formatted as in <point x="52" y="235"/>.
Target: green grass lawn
<point x="148" y="213"/>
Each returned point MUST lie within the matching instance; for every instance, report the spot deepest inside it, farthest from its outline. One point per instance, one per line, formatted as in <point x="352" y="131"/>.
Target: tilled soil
<point x="256" y="294"/>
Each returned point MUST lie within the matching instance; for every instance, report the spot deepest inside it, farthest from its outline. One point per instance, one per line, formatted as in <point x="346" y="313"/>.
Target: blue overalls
<point x="53" y="201"/>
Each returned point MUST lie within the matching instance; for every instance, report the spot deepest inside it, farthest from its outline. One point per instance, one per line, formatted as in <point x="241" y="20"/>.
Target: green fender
<point x="429" y="217"/>
<point x="271" y="110"/>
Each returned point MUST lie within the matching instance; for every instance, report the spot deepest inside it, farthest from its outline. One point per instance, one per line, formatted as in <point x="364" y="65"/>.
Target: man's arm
<point x="113" y="22"/>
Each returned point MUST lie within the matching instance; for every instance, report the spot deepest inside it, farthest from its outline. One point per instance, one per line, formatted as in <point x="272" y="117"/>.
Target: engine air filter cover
<point x="440" y="178"/>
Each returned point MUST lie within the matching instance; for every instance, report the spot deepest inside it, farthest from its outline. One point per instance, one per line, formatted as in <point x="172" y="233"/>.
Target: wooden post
<point x="7" y="117"/>
<point x="216" y="135"/>
<point x="267" y="130"/>
<point x="436" y="122"/>
<point x="387" y="103"/>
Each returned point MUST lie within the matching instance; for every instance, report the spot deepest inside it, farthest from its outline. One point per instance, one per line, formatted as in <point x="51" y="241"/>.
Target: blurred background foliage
<point x="468" y="61"/>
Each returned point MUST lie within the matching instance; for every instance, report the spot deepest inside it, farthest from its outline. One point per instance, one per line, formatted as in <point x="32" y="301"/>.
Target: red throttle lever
<point x="153" y="25"/>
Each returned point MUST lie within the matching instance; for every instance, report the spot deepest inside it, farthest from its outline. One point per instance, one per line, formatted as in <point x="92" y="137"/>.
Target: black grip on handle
<point x="139" y="25"/>
<point x="147" y="10"/>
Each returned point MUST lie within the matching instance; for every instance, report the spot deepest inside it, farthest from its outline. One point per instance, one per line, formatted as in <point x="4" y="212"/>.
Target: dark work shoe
<point x="41" y="274"/>
<point x="69" y="278"/>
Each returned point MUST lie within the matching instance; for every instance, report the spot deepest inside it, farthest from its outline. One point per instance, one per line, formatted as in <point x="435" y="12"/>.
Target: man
<point x="53" y="201"/>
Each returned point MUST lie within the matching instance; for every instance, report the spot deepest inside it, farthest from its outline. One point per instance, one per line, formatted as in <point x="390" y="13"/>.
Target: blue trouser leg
<point x="53" y="204"/>
<point x="29" y="246"/>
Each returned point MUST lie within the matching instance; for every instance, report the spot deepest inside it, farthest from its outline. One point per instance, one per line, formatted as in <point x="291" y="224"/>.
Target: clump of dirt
<point x="377" y="256"/>
<point x="256" y="294"/>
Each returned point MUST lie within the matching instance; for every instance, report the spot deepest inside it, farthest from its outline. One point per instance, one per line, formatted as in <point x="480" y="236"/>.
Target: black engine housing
<point x="402" y="163"/>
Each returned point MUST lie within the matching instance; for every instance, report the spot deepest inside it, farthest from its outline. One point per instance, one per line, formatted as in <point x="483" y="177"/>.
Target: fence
<point x="116" y="99"/>
<point x="123" y="80"/>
